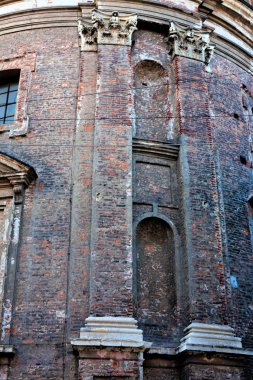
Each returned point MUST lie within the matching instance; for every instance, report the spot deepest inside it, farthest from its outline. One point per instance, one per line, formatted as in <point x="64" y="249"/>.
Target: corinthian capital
<point x="88" y="34"/>
<point x="114" y="29"/>
<point x="190" y="43"/>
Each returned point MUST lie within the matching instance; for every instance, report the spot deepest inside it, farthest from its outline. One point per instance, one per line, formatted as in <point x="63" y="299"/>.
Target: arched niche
<point x="151" y="100"/>
<point x="156" y="295"/>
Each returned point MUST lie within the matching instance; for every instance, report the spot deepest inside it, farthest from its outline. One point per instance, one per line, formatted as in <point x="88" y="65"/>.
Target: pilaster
<point x="82" y="168"/>
<point x="111" y="234"/>
<point x="110" y="332"/>
<point x="207" y="280"/>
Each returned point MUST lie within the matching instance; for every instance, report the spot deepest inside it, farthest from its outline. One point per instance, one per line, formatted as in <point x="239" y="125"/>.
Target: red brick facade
<point x="137" y="202"/>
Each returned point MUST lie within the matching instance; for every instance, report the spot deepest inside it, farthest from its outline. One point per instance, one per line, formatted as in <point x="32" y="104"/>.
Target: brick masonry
<point x="111" y="245"/>
<point x="75" y="252"/>
<point x="38" y="328"/>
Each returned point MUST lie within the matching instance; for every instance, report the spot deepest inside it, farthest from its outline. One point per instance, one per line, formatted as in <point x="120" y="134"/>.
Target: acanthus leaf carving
<point x="107" y="29"/>
<point x="190" y="43"/>
<point x="88" y="34"/>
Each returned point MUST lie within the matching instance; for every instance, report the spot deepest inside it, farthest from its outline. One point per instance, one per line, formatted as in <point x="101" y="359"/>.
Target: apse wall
<point x="126" y="237"/>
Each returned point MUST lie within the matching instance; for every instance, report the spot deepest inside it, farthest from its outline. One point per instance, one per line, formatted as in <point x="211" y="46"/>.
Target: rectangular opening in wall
<point x="9" y="80"/>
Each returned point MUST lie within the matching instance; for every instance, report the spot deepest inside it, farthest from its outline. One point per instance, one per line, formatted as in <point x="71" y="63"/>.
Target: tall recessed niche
<point x="155" y="272"/>
<point x="151" y="101"/>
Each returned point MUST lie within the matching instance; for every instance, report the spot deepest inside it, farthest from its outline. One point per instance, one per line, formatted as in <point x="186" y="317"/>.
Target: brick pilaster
<point x="111" y="250"/>
<point x="206" y="273"/>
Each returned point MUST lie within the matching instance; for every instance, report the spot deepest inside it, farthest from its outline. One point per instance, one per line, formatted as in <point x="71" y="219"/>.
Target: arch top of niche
<point x="159" y="216"/>
<point x="147" y="60"/>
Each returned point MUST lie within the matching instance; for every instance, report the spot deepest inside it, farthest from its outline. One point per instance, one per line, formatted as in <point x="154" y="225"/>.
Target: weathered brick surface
<point x="78" y="289"/>
<point x="156" y="294"/>
<point x="160" y="367"/>
<point x="79" y="211"/>
<point x="155" y="192"/>
<point x="111" y="248"/>
<point x="232" y="136"/>
<point x="207" y="279"/>
<point x="151" y="101"/>
<point x="103" y="364"/>
<point x="200" y="372"/>
<point x="41" y="287"/>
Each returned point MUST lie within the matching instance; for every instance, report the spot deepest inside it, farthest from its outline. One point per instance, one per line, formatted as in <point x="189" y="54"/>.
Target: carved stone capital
<point x="88" y="34"/>
<point x="190" y="43"/>
<point x="107" y="29"/>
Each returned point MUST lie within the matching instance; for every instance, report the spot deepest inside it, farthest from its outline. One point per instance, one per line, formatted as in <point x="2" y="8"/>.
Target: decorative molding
<point x="238" y="51"/>
<point x="16" y="171"/>
<point x="15" y="174"/>
<point x="208" y="6"/>
<point x="190" y="43"/>
<point x="114" y="29"/>
<point x="26" y="64"/>
<point x="106" y="29"/>
<point x="20" y="129"/>
<point x="88" y="34"/>
<point x="110" y="332"/>
<point x="156" y="149"/>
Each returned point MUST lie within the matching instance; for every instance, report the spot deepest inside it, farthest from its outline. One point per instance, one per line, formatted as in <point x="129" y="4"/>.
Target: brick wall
<point x="232" y="134"/>
<point x="78" y="184"/>
<point x="38" y="331"/>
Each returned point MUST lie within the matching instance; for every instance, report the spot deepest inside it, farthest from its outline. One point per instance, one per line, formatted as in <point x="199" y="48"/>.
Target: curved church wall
<point x="133" y="117"/>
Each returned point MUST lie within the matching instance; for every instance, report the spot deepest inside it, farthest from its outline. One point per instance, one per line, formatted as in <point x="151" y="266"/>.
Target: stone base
<point x="110" y="347"/>
<point x="207" y="337"/>
<point x="110" y="331"/>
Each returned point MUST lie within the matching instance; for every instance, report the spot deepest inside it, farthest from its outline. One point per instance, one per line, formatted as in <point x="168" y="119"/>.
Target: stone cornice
<point x="239" y="7"/>
<point x="236" y="18"/>
<point x="38" y="19"/>
<point x="4" y="2"/>
<point x="246" y="3"/>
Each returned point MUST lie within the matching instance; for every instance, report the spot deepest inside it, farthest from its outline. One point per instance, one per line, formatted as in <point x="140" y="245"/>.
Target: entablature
<point x="230" y="20"/>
